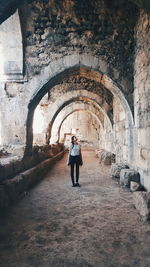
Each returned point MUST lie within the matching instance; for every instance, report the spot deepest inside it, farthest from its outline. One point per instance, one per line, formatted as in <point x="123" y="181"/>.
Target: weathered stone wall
<point x="13" y="165"/>
<point x="106" y="140"/>
<point x="97" y="38"/>
<point x="120" y="132"/>
<point x="84" y="125"/>
<point x="11" y="49"/>
<point x="83" y="94"/>
<point x="142" y="98"/>
<point x="18" y="175"/>
<point x="13" y="114"/>
<point x="93" y="27"/>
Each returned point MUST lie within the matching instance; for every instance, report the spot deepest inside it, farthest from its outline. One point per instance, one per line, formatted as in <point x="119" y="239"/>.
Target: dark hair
<point x="72" y="139"/>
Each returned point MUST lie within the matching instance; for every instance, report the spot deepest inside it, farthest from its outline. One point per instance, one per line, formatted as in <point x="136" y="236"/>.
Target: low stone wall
<point x="11" y="189"/>
<point x="12" y="165"/>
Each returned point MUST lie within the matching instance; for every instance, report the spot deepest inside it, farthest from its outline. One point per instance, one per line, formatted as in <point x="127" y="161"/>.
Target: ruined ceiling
<point x="8" y="7"/>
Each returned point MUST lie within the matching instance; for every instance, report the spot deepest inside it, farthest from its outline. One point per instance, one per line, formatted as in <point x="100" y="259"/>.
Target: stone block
<point x="116" y="169"/>
<point x="86" y="60"/>
<point x="31" y="176"/>
<point x="14" y="187"/>
<point x="71" y="60"/>
<point x="55" y="149"/>
<point x="134" y="186"/>
<point x="128" y="175"/>
<point x="4" y="200"/>
<point x="18" y="166"/>
<point x="2" y="173"/>
<point x="6" y="170"/>
<point x="107" y="158"/>
<point x="103" y="66"/>
<point x="142" y="204"/>
<point x="30" y="161"/>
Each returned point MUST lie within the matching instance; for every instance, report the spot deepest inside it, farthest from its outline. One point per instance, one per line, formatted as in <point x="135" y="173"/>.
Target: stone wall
<point x="142" y="98"/>
<point x="83" y="51"/>
<point x="18" y="175"/>
<point x="51" y="26"/>
<point x="52" y="31"/>
<point x="120" y="132"/>
<point x="11" y="49"/>
<point x="77" y="93"/>
<point x="11" y="165"/>
<point x="84" y="125"/>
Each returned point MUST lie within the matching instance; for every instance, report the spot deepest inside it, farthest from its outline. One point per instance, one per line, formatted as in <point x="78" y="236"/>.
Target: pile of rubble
<point x="130" y="179"/>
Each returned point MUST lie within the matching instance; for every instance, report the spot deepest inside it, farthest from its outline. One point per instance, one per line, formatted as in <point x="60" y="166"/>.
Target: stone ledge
<point x="12" y="166"/>
<point x="11" y="189"/>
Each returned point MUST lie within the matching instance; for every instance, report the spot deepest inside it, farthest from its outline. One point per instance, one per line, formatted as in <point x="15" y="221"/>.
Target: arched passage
<point x="71" y="108"/>
<point x="82" y="123"/>
<point x="82" y="97"/>
<point x="85" y="66"/>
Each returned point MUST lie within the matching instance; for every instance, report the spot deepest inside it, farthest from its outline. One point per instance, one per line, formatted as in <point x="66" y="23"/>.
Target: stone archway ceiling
<point x="84" y="79"/>
<point x="7" y="8"/>
<point x="82" y="99"/>
<point x="78" y="105"/>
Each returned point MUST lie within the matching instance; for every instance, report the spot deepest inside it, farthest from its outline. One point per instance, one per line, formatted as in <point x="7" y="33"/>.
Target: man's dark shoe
<point x="74" y="185"/>
<point x="77" y="184"/>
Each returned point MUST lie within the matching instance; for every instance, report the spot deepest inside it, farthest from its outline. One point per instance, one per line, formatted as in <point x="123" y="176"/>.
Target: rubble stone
<point x="134" y="186"/>
<point x="128" y="175"/>
<point x="106" y="158"/>
<point x="142" y="204"/>
<point x="116" y="169"/>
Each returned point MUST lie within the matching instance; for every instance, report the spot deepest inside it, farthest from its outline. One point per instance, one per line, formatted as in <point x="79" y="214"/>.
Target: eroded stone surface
<point x="116" y="169"/>
<point x="11" y="189"/>
<point x="128" y="175"/>
<point x="106" y="158"/>
<point x="142" y="204"/>
<point x="12" y="165"/>
<point x="134" y="186"/>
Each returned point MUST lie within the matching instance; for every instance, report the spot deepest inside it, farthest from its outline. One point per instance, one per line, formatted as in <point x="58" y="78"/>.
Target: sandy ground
<point x="57" y="225"/>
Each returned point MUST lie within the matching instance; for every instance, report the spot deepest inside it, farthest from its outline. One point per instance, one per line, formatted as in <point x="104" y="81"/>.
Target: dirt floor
<point x="58" y="225"/>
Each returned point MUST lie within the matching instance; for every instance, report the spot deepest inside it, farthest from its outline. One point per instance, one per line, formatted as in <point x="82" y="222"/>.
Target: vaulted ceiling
<point x="7" y="8"/>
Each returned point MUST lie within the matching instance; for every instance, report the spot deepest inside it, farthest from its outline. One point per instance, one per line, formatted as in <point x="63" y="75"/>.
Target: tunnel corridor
<point x="74" y="68"/>
<point x="55" y="225"/>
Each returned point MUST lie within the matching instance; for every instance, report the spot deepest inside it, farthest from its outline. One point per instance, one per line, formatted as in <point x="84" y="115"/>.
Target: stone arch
<point x="11" y="49"/>
<point x="77" y="96"/>
<point x="78" y="110"/>
<point x="68" y="110"/>
<point x="82" y="95"/>
<point x="85" y="65"/>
